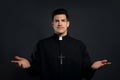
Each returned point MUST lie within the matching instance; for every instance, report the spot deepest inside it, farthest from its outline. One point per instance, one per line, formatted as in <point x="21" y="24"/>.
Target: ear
<point x="52" y="23"/>
<point x="68" y="23"/>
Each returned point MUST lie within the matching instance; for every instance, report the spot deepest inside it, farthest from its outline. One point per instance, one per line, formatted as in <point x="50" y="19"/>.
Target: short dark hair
<point x="60" y="11"/>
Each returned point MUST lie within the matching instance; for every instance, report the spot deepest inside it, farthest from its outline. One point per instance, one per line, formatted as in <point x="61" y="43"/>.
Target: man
<point x="60" y="57"/>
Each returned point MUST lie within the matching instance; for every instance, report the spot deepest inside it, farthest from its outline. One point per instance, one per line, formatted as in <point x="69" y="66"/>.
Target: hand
<point x="100" y="64"/>
<point x="21" y="62"/>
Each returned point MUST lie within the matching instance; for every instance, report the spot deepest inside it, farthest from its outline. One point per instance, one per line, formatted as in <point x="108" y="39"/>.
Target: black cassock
<point x="65" y="59"/>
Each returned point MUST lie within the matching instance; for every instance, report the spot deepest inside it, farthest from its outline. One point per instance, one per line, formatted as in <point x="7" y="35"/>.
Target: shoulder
<point x="44" y="40"/>
<point x="78" y="41"/>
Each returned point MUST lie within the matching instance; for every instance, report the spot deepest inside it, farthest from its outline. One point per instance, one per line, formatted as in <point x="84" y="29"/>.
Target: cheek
<point x="54" y="26"/>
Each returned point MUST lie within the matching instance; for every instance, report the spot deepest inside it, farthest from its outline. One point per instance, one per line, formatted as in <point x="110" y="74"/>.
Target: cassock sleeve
<point x="34" y="70"/>
<point x="87" y="71"/>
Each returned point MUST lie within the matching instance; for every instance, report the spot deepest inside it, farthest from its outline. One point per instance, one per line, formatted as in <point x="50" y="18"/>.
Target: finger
<point x="105" y="60"/>
<point x="19" y="65"/>
<point x="108" y="63"/>
<point x="18" y="58"/>
<point x="22" y="66"/>
<point x="13" y="61"/>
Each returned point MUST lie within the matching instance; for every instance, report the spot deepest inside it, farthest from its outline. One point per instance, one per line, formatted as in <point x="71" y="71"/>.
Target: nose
<point x="59" y="23"/>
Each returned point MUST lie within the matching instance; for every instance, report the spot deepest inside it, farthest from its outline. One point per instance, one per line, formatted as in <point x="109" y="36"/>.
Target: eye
<point x="56" y="21"/>
<point x="64" y="20"/>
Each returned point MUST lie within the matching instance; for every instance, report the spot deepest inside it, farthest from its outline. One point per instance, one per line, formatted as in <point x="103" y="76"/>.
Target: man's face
<point x="60" y="24"/>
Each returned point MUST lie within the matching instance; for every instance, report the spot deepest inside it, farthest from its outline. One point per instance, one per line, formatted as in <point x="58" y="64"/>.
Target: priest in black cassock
<point x="60" y="57"/>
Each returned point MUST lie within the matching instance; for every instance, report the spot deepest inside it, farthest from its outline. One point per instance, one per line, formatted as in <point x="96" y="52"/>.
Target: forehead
<point x="60" y="16"/>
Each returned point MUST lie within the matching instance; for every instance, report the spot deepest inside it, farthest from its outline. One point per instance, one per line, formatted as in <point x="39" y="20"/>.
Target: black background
<point x="24" y="22"/>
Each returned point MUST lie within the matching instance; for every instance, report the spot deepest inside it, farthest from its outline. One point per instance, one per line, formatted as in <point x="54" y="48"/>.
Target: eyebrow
<point x="61" y="19"/>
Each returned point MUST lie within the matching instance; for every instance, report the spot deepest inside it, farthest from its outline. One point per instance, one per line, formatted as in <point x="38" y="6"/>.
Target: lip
<point x="60" y="27"/>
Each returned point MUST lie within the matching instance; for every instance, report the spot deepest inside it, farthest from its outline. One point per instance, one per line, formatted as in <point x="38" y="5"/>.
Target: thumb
<point x="18" y="58"/>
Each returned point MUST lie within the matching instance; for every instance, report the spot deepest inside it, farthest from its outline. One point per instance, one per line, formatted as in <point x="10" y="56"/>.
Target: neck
<point x="61" y="34"/>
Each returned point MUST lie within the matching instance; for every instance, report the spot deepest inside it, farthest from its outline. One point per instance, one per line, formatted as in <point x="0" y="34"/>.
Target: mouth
<point x="60" y="27"/>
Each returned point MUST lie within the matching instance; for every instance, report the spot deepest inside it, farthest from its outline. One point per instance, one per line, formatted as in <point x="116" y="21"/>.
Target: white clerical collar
<point x="60" y="38"/>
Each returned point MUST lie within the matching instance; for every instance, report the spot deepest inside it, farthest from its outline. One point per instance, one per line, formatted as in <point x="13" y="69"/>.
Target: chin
<point x="60" y="32"/>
